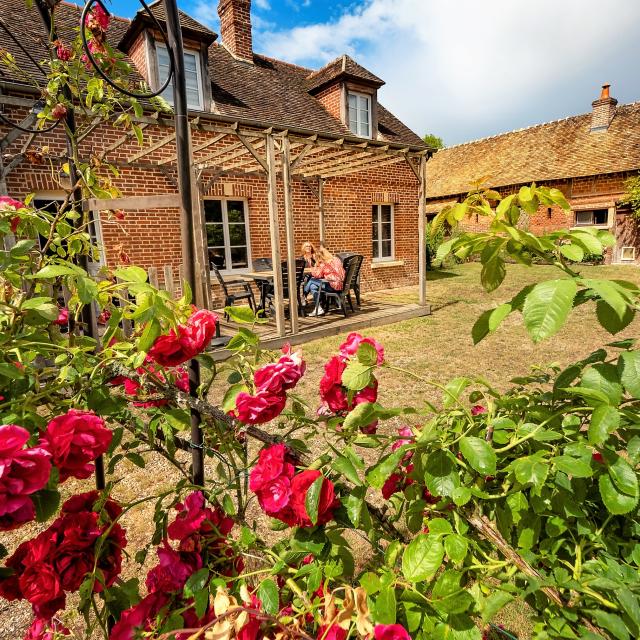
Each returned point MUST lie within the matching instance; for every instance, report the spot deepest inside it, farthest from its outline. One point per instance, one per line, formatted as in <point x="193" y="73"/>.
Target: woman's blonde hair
<point x="324" y="254"/>
<point x="308" y="244"/>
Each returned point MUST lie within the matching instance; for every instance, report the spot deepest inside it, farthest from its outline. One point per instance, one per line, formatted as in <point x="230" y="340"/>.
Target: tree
<point x="433" y="141"/>
<point x="632" y="195"/>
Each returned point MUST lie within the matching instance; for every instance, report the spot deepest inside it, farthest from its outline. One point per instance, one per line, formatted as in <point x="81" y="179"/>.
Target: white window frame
<point x="627" y="259"/>
<point x="592" y="223"/>
<point x="94" y="266"/>
<point x="392" y="257"/>
<point x="370" y="111"/>
<point x="225" y="234"/>
<point x="196" y="54"/>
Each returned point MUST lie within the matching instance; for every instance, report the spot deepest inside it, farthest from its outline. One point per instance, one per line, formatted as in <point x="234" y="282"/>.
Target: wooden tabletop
<point x="262" y="275"/>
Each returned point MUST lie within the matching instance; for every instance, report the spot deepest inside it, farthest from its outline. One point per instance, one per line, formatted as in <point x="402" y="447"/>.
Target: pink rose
<point x="63" y="52"/>
<point x="390" y="632"/>
<point x="272" y="464"/>
<point x="42" y="629"/>
<point x="173" y="570"/>
<point x="75" y="440"/>
<point x="194" y="518"/>
<point x="63" y="317"/>
<point x="331" y="633"/>
<point x="97" y="19"/>
<point x="140" y="617"/>
<point x="350" y="346"/>
<point x="261" y="408"/>
<point x="331" y="391"/>
<point x="327" y="503"/>
<point x="8" y="204"/>
<point x="275" y="496"/>
<point x="478" y="409"/>
<point x="280" y="376"/>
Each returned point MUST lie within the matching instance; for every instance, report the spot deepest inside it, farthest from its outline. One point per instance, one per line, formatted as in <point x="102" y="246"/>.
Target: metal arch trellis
<point x="173" y="42"/>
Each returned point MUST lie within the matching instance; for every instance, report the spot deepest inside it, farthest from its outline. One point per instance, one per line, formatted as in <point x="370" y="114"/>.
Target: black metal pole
<point x="174" y="36"/>
<point x="88" y="313"/>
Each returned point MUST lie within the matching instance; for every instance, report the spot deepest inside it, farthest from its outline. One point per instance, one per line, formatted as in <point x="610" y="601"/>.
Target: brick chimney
<point x="604" y="109"/>
<point x="235" y="27"/>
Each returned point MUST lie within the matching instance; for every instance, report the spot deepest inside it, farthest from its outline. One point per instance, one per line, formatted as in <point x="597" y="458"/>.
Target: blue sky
<point x="462" y="69"/>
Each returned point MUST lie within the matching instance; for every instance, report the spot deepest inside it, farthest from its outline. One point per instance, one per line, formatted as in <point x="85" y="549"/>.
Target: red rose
<point x="331" y="390"/>
<point x="173" y="570"/>
<point x="59" y="111"/>
<point x="390" y="632"/>
<point x="42" y="629"/>
<point x="250" y="630"/>
<point x="272" y="463"/>
<point x="280" y="376"/>
<point x="194" y="518"/>
<point x="392" y="485"/>
<point x="15" y="511"/>
<point x="104" y="316"/>
<point x="187" y="342"/>
<point x="63" y="53"/>
<point x="139" y="617"/>
<point x="261" y="408"/>
<point x="478" y="409"/>
<point x="331" y="633"/>
<point x="350" y="346"/>
<point x="75" y="440"/>
<point x="299" y="487"/>
<point x="97" y="19"/>
<point x="275" y="497"/>
<point x="596" y="456"/>
<point x="63" y="317"/>
<point x="119" y="214"/>
<point x="40" y="584"/>
<point x="15" y="221"/>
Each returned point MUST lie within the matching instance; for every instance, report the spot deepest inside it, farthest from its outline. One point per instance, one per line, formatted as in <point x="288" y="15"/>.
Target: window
<point x="627" y="253"/>
<point x="360" y="114"/>
<point x="596" y="217"/>
<point x="52" y="204"/>
<point x="227" y="234"/>
<point x="382" y="220"/>
<point x="193" y="76"/>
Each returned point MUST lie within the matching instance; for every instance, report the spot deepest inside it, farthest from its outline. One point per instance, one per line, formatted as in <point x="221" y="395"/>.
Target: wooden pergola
<point x="244" y="147"/>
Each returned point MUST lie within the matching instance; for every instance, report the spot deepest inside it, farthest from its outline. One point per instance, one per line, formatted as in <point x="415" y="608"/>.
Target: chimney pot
<point x="235" y="27"/>
<point x="604" y="110"/>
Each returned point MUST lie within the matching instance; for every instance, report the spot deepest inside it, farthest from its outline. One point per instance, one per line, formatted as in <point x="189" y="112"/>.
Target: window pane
<point x="386" y="212"/>
<point x="213" y="210"/>
<point x="235" y="211"/>
<point x="363" y="103"/>
<point x="584" y="217"/>
<point x="386" y="231"/>
<point x="364" y="130"/>
<point x="239" y="257"/>
<point x="217" y="257"/>
<point x="375" y="250"/>
<point x="375" y="230"/>
<point x="386" y="249"/>
<point x="353" y="101"/>
<point x="190" y="62"/>
<point x="374" y="212"/>
<point x="215" y="235"/>
<point x="600" y="216"/>
<point x="237" y="234"/>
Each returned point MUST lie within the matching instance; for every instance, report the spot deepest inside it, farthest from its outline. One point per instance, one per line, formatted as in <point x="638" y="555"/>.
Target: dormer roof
<point x="342" y="68"/>
<point x="191" y="29"/>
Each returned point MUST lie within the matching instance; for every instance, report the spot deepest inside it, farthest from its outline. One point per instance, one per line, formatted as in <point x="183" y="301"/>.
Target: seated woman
<point x="308" y="253"/>
<point x="327" y="275"/>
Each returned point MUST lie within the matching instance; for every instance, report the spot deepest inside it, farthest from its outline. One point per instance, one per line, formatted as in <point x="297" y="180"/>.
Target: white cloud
<point x="263" y="5"/>
<point x="467" y="68"/>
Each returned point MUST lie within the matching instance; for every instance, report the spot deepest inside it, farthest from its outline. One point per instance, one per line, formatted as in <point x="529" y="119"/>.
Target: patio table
<point x="262" y="279"/>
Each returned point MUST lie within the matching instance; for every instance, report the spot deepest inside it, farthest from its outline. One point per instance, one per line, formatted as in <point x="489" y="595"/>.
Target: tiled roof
<point x="190" y="27"/>
<point x="271" y="92"/>
<point x="551" y="151"/>
<point x="342" y="67"/>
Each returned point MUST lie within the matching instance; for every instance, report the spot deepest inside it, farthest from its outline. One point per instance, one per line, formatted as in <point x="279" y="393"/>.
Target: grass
<point x="438" y="347"/>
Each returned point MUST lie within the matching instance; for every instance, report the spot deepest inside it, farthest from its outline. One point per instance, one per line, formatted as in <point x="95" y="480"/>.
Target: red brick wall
<point x="152" y="238"/>
<point x="331" y="99"/>
<point x="235" y="27"/>
<point x="138" y="55"/>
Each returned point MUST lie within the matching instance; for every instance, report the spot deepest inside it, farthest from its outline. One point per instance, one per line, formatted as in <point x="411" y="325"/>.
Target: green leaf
<point x="46" y="502"/>
<point x="131" y="274"/>
<point x="629" y="368"/>
<point x="441" y="477"/>
<point x="241" y="314"/>
<point x="367" y="354"/>
<point x="624" y="477"/>
<point x="196" y="582"/>
<point x="547" y="306"/>
<point x="370" y="582"/>
<point x="611" y="623"/>
<point x="615" y="501"/>
<point x="448" y="596"/>
<point x="151" y="331"/>
<point x="87" y="290"/>
<point x="345" y="467"/>
<point x="268" y="595"/>
<point x="574" y="467"/>
<point x="353" y="505"/>
<point x="613" y="294"/>
<point x="377" y="475"/>
<point x="531" y="470"/>
<point x="604" y="421"/>
<point x="610" y="320"/>
<point x="493" y="273"/>
<point x="57" y="270"/>
<point x="312" y="499"/>
<point x="356" y="375"/>
<point x="461" y="495"/>
<point x="229" y="400"/>
<point x="493" y="604"/>
<point x="453" y="390"/>
<point x="604" y="377"/>
<point x="489" y="321"/>
<point x="479" y="454"/>
<point x="573" y="252"/>
<point x="422" y="558"/>
<point x="588" y="240"/>
<point x="385" y="606"/>
<point x="456" y="547"/>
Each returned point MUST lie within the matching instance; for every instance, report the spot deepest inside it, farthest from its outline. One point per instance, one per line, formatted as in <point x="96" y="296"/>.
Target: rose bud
<point x="59" y="111"/>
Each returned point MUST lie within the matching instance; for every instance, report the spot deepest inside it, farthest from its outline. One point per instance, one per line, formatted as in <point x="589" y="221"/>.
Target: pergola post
<point x="274" y="231"/>
<point x="422" y="239"/>
<point x="291" y="249"/>
<point x="321" y="207"/>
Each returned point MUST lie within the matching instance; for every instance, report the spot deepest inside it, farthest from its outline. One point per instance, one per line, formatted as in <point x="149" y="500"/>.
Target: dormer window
<point x="193" y="77"/>
<point x="360" y="114"/>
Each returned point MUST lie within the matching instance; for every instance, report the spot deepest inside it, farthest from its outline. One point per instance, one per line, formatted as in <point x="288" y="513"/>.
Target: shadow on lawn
<point x="438" y="274"/>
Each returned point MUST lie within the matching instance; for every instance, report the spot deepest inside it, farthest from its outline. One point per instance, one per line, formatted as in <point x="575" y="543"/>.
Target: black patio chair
<point x="269" y="293"/>
<point x="344" y="296"/>
<point x="245" y="293"/>
<point x="262" y="264"/>
<point x="355" y="284"/>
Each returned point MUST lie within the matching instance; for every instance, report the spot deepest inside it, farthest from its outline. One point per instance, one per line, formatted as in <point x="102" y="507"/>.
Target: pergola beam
<point x="422" y="239"/>
<point x="253" y="150"/>
<point x="291" y="248"/>
<point x="311" y="168"/>
<point x="154" y="147"/>
<point x="198" y="147"/>
<point x="231" y="149"/>
<point x="363" y="165"/>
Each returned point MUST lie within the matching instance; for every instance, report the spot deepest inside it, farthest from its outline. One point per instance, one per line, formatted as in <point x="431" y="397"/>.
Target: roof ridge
<point x="532" y="126"/>
<point x="289" y="64"/>
<point x="325" y="66"/>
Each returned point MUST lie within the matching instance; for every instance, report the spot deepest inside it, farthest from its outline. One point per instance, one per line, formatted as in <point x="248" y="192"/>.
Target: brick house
<point x="588" y="157"/>
<point x="355" y="168"/>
